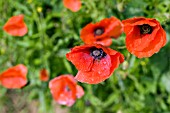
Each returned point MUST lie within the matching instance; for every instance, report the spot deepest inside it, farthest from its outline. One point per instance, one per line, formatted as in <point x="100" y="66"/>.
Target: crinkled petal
<point x="139" y="21"/>
<point x="66" y="99"/>
<point x="63" y="89"/>
<point x="56" y="87"/>
<point x="104" y="42"/>
<point x="87" y="33"/>
<point x="146" y="21"/>
<point x="143" y="45"/>
<point x="111" y="51"/>
<point x="116" y="60"/>
<point x="116" y="28"/>
<point x="164" y="36"/>
<point x="154" y="47"/>
<point x="82" y="60"/>
<point x="98" y="73"/>
<point x="138" y="42"/>
<point x="128" y="29"/>
<point x="132" y="20"/>
<point x="129" y="24"/>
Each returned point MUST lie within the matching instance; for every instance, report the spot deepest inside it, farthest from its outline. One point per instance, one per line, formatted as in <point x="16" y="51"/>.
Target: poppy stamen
<point x="145" y="29"/>
<point x="67" y="88"/>
<point x="97" y="53"/>
<point x="98" y="31"/>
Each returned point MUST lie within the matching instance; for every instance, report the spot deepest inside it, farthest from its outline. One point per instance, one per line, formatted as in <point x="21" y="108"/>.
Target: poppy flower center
<point x="97" y="53"/>
<point x="67" y="88"/>
<point x="145" y="29"/>
<point x="98" y="31"/>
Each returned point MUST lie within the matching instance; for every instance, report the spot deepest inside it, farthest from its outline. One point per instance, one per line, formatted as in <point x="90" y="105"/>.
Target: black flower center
<point x="145" y="29"/>
<point x="67" y="88"/>
<point x="98" y="31"/>
<point x="97" y="53"/>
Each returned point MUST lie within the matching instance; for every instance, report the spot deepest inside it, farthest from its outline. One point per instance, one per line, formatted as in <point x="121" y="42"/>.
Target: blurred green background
<point x="137" y="86"/>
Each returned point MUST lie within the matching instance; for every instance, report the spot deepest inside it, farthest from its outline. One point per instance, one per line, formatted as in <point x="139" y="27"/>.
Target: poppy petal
<point x="128" y="29"/>
<point x="79" y="58"/>
<point x="163" y="37"/>
<point x="111" y="51"/>
<point x="153" y="48"/>
<point x="14" y="77"/>
<point x="66" y="99"/>
<point x="99" y="72"/>
<point x="146" y="21"/>
<point x="15" y="26"/>
<point x="44" y="76"/>
<point x="105" y="41"/>
<point x="116" y="60"/>
<point x="80" y="91"/>
<point x="137" y="41"/>
<point x="64" y="89"/>
<point x="73" y="5"/>
<point x="116" y="28"/>
<point x="130" y="21"/>
<point x="55" y="86"/>
<point x="13" y="82"/>
<point x="109" y="28"/>
<point x="139" y="21"/>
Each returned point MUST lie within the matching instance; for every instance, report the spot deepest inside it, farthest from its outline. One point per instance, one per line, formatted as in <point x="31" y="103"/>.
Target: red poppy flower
<point x="144" y="36"/>
<point x="101" y="32"/>
<point x="44" y="76"/>
<point x="73" y="5"/>
<point x="95" y="63"/>
<point x="14" y="77"/>
<point x="65" y="90"/>
<point x="15" y="26"/>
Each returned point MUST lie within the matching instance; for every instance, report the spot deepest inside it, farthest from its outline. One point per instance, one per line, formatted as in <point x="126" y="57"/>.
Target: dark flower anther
<point x="97" y="53"/>
<point x="145" y="29"/>
<point x="98" y="31"/>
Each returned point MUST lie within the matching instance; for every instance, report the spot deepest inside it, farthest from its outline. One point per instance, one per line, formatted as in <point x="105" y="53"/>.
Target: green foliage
<point x="137" y="86"/>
